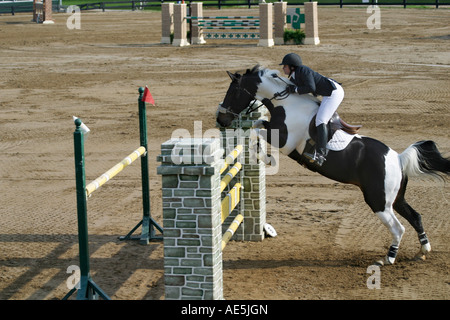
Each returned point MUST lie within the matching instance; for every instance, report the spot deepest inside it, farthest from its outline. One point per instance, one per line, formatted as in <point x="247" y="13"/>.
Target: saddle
<point x="335" y="123"/>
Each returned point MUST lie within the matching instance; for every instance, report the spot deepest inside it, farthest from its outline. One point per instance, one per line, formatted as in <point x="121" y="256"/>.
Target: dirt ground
<point x="396" y="81"/>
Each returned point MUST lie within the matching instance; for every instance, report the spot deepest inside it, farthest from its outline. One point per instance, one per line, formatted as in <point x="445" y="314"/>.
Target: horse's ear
<point x="233" y="76"/>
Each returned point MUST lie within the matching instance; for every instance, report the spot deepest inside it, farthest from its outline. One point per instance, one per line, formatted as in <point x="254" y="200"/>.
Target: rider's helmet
<point x="292" y="59"/>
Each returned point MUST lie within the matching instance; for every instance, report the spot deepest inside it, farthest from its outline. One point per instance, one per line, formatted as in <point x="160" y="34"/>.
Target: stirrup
<point x="316" y="158"/>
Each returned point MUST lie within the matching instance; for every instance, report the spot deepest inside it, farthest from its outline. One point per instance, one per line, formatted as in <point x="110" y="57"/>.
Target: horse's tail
<point x="423" y="157"/>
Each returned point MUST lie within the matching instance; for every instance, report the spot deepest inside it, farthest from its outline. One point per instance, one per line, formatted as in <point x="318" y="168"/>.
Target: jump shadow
<point x="110" y="273"/>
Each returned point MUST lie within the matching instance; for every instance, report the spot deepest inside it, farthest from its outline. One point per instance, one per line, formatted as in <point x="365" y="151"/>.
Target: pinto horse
<point x="380" y="172"/>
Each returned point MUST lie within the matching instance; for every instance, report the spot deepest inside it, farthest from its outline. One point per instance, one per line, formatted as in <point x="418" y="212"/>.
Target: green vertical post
<point x="80" y="178"/>
<point x="87" y="289"/>
<point x="147" y="222"/>
<point x="147" y="227"/>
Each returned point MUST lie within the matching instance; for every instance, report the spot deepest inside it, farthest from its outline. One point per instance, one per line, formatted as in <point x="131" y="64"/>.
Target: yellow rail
<point x="108" y="175"/>
<point x="231" y="229"/>
<point x="231" y="157"/>
<point x="230" y="175"/>
<point x="230" y="201"/>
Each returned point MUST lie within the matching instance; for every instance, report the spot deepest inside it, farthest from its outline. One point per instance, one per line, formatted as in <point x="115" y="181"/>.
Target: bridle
<point x="277" y="96"/>
<point x="228" y="110"/>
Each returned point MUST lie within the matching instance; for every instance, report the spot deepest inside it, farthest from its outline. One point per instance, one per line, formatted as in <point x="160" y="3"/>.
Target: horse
<point x="380" y="172"/>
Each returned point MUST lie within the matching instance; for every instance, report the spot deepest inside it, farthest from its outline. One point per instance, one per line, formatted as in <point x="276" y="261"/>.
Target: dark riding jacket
<point x="309" y="81"/>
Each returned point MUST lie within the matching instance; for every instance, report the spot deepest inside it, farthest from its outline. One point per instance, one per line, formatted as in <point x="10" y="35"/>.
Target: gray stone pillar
<point x="190" y="172"/>
<point x="253" y="175"/>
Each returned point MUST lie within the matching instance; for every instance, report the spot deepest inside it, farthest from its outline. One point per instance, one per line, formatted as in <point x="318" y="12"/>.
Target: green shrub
<point x="296" y="36"/>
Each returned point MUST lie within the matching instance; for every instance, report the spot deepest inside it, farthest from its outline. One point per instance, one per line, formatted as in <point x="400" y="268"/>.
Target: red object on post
<point x="147" y="96"/>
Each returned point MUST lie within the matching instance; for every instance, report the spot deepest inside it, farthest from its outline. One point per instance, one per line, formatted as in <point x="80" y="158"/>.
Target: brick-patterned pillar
<point x="253" y="173"/>
<point x="166" y="21"/>
<point x="280" y="9"/>
<point x="196" y="31"/>
<point x="179" y="25"/>
<point x="48" y="12"/>
<point x="254" y="176"/>
<point x="311" y="23"/>
<point x="265" y="25"/>
<point x="190" y="172"/>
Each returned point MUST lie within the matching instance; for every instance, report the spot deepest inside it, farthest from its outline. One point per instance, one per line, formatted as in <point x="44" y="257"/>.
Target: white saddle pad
<point x="340" y="140"/>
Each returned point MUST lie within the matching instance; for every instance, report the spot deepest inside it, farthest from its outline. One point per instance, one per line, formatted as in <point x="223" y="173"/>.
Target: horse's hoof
<point x="426" y="248"/>
<point x="420" y="257"/>
<point x="379" y="263"/>
<point x="387" y="261"/>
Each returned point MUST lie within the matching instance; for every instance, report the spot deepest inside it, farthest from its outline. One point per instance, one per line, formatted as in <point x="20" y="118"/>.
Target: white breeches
<point x="329" y="105"/>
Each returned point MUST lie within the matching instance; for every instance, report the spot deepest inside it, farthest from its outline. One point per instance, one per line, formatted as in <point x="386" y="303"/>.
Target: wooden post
<point x="180" y="26"/>
<point x="280" y="9"/>
<point x="311" y="24"/>
<point x="196" y="31"/>
<point x="166" y="21"/>
<point x="266" y="25"/>
<point x="48" y="12"/>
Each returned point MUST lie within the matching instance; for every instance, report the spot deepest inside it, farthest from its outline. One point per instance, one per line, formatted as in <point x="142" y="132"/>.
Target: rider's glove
<point x="291" y="88"/>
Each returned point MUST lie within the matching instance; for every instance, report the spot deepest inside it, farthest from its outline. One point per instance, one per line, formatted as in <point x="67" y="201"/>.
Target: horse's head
<point x="241" y="92"/>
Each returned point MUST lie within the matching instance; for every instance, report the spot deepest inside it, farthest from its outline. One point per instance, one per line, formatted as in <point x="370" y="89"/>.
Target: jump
<point x="380" y="172"/>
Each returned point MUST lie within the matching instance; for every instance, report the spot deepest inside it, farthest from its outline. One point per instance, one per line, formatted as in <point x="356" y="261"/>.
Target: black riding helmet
<point x="292" y="59"/>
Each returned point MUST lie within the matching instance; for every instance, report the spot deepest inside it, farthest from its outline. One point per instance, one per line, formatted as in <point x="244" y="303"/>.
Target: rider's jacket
<point x="309" y="81"/>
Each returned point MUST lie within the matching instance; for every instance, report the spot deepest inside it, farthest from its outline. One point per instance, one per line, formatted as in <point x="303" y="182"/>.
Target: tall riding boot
<point x="321" y="151"/>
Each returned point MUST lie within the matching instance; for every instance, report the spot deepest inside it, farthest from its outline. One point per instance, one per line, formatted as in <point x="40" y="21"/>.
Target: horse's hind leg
<point x="414" y="218"/>
<point x="382" y="207"/>
<point x="397" y="230"/>
<point x="380" y="194"/>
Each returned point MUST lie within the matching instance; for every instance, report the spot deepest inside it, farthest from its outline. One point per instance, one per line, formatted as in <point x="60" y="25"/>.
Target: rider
<point x="308" y="81"/>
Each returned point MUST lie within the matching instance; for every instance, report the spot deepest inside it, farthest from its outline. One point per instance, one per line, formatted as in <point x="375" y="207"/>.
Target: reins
<point x="277" y="96"/>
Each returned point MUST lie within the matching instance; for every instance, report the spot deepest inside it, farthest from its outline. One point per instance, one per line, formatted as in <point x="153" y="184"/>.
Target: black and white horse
<point x="380" y="172"/>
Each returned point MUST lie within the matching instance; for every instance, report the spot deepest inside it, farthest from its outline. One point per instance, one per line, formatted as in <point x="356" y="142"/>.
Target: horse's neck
<point x="298" y="109"/>
<point x="303" y="104"/>
<point x="268" y="89"/>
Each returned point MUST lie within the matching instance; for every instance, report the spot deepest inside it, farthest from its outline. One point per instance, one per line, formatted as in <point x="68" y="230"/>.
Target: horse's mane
<point x="255" y="69"/>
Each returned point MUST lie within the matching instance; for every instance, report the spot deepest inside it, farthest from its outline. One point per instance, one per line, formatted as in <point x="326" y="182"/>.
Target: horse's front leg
<point x="261" y="129"/>
<point x="260" y="124"/>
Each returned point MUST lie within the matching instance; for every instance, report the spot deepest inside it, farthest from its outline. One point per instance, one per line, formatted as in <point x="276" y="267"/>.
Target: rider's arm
<point x="304" y="79"/>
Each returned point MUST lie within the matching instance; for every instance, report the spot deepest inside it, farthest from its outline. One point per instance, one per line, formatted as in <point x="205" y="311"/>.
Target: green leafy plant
<point x="295" y="36"/>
